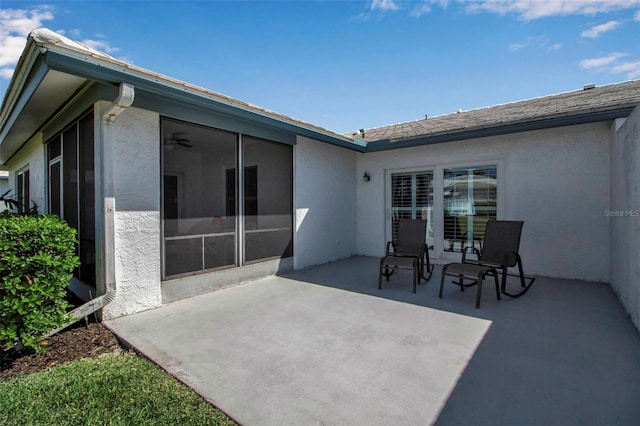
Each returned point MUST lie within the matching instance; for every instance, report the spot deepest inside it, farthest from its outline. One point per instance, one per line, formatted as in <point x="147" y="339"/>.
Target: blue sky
<point x="347" y="65"/>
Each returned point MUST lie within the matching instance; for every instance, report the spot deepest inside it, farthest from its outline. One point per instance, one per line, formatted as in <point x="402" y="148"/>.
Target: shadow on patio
<point x="564" y="353"/>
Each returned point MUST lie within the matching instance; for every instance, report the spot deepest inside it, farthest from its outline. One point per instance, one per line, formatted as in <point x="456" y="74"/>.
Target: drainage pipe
<point x="123" y="101"/>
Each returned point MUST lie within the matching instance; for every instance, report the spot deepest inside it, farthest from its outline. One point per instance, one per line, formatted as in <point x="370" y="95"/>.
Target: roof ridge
<point x="597" y="88"/>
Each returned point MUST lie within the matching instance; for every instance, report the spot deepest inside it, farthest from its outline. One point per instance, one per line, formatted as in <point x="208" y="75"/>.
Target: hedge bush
<point x="37" y="258"/>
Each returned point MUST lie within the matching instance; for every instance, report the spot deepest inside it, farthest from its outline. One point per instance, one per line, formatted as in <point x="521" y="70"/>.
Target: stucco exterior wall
<point x="32" y="155"/>
<point x="556" y="180"/>
<point x="136" y="175"/>
<point x="324" y="203"/>
<point x="623" y="213"/>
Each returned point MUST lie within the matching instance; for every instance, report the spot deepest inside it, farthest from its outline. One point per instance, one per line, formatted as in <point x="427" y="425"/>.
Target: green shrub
<point x="37" y="258"/>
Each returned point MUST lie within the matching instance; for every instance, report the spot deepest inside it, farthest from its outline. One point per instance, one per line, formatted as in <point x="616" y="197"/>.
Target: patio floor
<point x="325" y="346"/>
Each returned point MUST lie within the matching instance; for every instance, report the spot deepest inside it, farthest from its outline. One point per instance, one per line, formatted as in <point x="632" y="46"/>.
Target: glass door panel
<point x="470" y="200"/>
<point x="412" y="198"/>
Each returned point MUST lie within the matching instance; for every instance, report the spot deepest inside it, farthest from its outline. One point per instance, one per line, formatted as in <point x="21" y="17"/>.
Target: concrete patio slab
<point x="325" y="346"/>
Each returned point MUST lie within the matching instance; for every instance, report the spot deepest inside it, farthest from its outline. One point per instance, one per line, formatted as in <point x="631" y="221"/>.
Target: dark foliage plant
<point x="11" y="203"/>
<point x="37" y="258"/>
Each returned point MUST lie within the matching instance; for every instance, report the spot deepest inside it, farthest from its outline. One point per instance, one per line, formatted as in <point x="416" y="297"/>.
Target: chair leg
<point x="428" y="265"/>
<point x="479" y="293"/>
<point x="444" y="270"/>
<point x="416" y="276"/>
<point x="495" y="278"/>
<point x="380" y="275"/>
<point x="522" y="283"/>
<point x="504" y="278"/>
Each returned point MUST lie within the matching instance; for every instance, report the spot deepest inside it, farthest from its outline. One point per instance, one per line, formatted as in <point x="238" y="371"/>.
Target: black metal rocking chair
<point x="499" y="252"/>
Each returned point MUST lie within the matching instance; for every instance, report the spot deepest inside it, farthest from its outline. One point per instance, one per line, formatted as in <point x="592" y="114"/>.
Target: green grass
<point x="110" y="390"/>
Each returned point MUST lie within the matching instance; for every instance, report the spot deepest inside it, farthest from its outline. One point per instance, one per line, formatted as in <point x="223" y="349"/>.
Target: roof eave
<point x="28" y="60"/>
<point x="502" y="129"/>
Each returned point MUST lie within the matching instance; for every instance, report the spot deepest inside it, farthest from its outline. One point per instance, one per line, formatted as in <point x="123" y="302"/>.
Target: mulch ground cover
<point x="79" y="341"/>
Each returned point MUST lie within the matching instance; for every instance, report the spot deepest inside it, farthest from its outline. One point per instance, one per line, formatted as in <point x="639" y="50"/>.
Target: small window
<point x="22" y="192"/>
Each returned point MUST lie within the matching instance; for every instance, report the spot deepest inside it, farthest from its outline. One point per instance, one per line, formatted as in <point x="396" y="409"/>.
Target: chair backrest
<point x="411" y="236"/>
<point x="501" y="237"/>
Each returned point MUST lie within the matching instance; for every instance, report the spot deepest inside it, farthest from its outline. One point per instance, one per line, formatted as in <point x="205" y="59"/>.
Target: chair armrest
<point x="466" y="248"/>
<point x="505" y="262"/>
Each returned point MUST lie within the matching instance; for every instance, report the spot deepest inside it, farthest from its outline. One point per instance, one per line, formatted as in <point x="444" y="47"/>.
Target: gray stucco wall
<point x="555" y="180"/>
<point x="31" y="156"/>
<point x="624" y="213"/>
<point x="324" y="202"/>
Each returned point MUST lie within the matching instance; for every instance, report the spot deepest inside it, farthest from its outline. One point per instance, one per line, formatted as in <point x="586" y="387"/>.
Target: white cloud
<point x="421" y="9"/>
<point x="612" y="64"/>
<point x="15" y="26"/>
<point x="632" y="69"/>
<point x="101" y="45"/>
<point x="536" y="9"/>
<point x="527" y="10"/>
<point x="6" y="72"/>
<point x="537" y="42"/>
<point x="596" y="30"/>
<point x="384" y="5"/>
<point x="601" y="62"/>
<point x="514" y="47"/>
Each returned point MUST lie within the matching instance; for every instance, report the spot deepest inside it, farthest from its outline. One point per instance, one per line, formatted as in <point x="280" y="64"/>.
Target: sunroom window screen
<point x="470" y="200"/>
<point x="412" y="198"/>
<point x="227" y="199"/>
<point x="72" y="188"/>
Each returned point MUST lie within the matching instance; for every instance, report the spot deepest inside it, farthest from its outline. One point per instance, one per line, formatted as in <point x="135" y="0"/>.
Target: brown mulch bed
<point x="79" y="341"/>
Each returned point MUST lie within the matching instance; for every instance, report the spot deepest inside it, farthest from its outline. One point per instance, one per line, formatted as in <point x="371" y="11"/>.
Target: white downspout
<point x="123" y="101"/>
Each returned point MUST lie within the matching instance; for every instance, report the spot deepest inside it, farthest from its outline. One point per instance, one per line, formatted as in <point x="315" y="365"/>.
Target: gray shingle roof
<point x="598" y="99"/>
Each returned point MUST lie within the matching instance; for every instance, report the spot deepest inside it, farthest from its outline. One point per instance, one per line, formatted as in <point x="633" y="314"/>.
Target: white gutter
<point x="123" y="101"/>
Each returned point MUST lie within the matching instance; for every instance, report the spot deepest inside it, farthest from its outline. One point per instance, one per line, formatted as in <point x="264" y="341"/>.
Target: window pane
<point x="70" y="172"/>
<point x="470" y="200"/>
<point x="54" y="147"/>
<point x="20" y="185"/>
<point x="26" y="195"/>
<point x="412" y="198"/>
<point x="54" y="189"/>
<point x="197" y="198"/>
<point x="268" y="202"/>
<point x="86" y="187"/>
<point x="219" y="251"/>
<point x="183" y="255"/>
